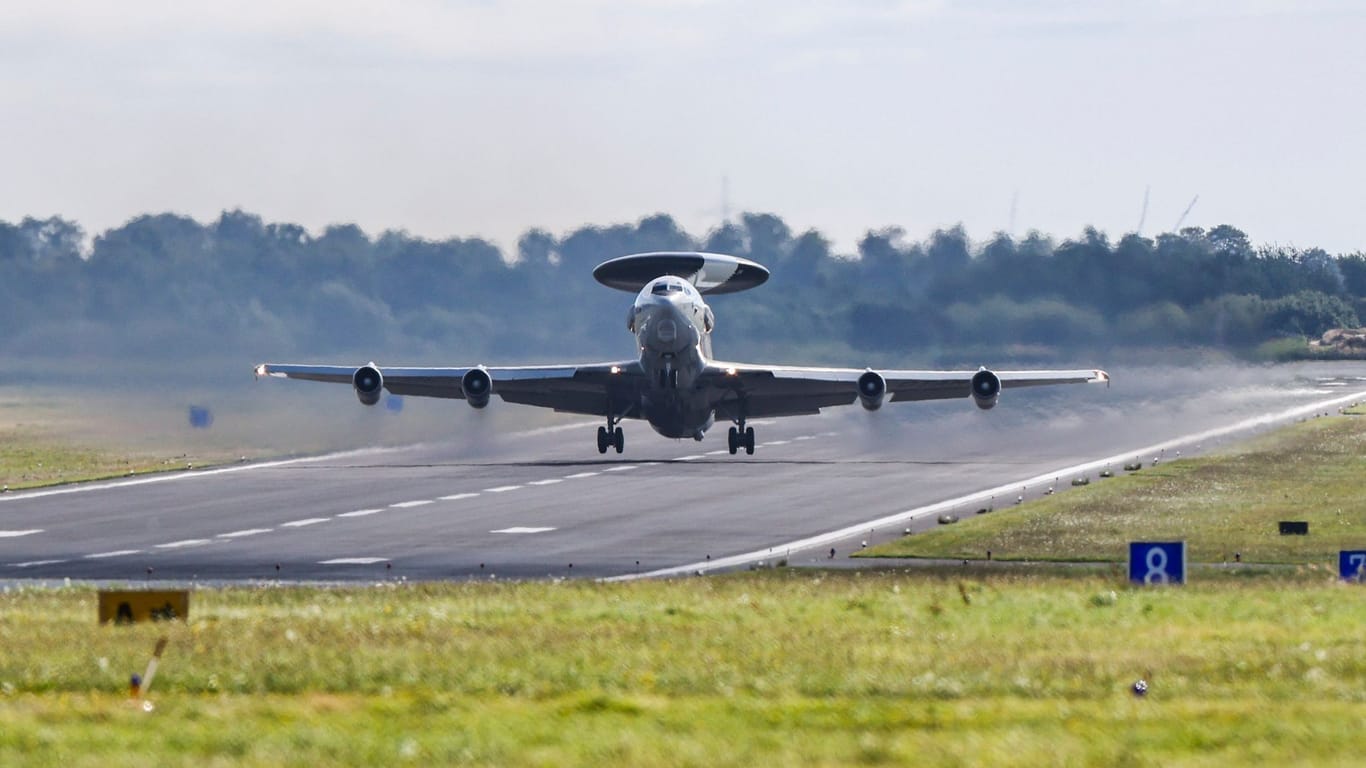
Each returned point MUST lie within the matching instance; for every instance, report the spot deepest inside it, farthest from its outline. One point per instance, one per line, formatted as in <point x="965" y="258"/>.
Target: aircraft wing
<point x="595" y="389"/>
<point x="788" y="391"/>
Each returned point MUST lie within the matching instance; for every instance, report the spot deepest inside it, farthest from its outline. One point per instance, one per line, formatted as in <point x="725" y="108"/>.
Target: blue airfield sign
<point x="1157" y="562"/>
<point x="1351" y="564"/>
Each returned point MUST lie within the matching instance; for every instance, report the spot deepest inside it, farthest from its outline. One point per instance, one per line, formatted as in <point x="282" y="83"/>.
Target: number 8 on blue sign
<point x="1157" y="562"/>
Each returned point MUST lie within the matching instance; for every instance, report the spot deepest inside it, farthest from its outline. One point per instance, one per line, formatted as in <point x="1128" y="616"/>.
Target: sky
<point x="489" y="117"/>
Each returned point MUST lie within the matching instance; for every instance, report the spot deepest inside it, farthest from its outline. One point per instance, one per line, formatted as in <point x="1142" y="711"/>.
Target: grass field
<point x="45" y="441"/>
<point x="964" y="666"/>
<point x="1223" y="505"/>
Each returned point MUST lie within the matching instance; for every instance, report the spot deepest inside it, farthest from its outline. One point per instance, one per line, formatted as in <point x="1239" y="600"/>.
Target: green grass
<point x="30" y="457"/>
<point x="1221" y="506"/>
<point x="961" y="666"/>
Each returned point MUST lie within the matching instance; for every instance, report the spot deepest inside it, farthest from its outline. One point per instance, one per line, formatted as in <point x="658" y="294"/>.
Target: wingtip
<point x="1102" y="376"/>
<point x="260" y="370"/>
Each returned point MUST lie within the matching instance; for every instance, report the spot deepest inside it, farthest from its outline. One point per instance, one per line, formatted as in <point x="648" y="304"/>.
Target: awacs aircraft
<point x="675" y="384"/>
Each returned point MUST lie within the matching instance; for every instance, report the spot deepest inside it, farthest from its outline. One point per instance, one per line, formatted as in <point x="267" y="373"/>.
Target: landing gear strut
<point x="741" y="436"/>
<point x="610" y="435"/>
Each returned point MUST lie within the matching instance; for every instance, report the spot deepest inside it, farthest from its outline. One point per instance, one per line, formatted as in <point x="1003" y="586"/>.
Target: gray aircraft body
<point x="674" y="383"/>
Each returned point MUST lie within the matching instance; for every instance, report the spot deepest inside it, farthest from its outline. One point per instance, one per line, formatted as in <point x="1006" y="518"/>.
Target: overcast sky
<point x="487" y="118"/>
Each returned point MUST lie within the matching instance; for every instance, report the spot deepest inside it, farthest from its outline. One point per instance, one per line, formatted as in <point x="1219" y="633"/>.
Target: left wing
<point x="595" y="389"/>
<point x="754" y="391"/>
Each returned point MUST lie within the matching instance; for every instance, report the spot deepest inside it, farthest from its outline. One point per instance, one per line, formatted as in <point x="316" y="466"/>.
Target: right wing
<point x="775" y="390"/>
<point x="596" y="389"/>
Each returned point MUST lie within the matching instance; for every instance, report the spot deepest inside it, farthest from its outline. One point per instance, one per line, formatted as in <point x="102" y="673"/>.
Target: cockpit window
<point x="664" y="287"/>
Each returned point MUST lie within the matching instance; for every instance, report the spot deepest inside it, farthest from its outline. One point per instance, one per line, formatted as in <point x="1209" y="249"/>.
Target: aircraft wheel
<point x="733" y="440"/>
<point x="602" y="439"/>
<point x="749" y="440"/>
<point x="618" y="440"/>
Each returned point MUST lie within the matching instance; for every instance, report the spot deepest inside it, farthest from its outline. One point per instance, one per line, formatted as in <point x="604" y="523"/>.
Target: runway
<point x="543" y="503"/>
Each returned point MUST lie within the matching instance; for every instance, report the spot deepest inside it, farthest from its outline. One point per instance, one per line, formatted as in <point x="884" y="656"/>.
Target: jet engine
<point x="369" y="384"/>
<point x="872" y="388"/>
<point x="986" y="388"/>
<point x="477" y="385"/>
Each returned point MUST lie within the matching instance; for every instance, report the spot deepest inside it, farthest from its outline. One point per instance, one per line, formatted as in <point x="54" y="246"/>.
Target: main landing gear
<point x="610" y="436"/>
<point x="739" y="437"/>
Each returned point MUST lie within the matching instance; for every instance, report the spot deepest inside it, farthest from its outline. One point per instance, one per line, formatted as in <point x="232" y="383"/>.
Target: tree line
<point x="166" y="286"/>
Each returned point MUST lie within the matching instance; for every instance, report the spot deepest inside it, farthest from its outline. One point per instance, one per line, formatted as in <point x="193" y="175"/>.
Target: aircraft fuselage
<point x="672" y="326"/>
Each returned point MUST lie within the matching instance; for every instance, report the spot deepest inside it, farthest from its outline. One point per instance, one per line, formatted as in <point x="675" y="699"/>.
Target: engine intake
<point x="369" y="384"/>
<point x="986" y="388"/>
<point x="477" y="385"/>
<point x="872" y="388"/>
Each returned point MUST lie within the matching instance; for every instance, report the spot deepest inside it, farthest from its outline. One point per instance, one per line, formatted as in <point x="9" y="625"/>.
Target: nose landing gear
<point x="610" y="437"/>
<point x="741" y="436"/>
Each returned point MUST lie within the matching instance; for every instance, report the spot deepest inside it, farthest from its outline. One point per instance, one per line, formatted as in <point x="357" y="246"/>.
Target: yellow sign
<point x="128" y="606"/>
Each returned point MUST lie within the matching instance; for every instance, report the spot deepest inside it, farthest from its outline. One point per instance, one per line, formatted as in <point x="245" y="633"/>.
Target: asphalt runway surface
<point x="543" y="503"/>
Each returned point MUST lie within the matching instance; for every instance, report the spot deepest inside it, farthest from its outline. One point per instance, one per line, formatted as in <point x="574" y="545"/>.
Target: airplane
<point x="675" y="385"/>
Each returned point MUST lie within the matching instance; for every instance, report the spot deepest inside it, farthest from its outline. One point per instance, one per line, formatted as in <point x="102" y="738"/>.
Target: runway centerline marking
<point x="778" y="442"/>
<point x="578" y="475"/>
<point x="17" y="534"/>
<point x="693" y="457"/>
<point x="361" y="513"/>
<point x="522" y="529"/>
<point x="245" y="532"/>
<point x="502" y="489"/>
<point x="718" y="453"/>
<point x="805" y="437"/>
<point x="547" y="481"/>
<point x="621" y="468"/>
<point x="459" y="496"/>
<point x="115" y="553"/>
<point x="183" y="543"/>
<point x="36" y="563"/>
<point x="304" y="522"/>
<point x="410" y="504"/>
<point x="354" y="561"/>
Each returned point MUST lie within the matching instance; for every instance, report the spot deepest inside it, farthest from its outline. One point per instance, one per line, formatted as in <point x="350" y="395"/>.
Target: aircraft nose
<point x="666" y="330"/>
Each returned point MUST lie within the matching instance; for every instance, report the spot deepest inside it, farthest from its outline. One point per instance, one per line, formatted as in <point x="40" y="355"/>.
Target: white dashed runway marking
<point x="621" y="468"/>
<point x="502" y="489"/>
<point x="459" y="496"/>
<point x="36" y="563"/>
<point x="522" y="529"/>
<point x="183" y="543"/>
<point x="409" y="504"/>
<point x="547" y="481"/>
<point x="354" y="561"/>
<point x="115" y="553"/>
<point x="578" y="475"/>
<point x="693" y="457"/>
<point x="304" y="522"/>
<point x="17" y="534"/>
<point x="247" y="532"/>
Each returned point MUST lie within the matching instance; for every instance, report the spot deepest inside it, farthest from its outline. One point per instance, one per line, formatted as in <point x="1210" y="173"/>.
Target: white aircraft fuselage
<point x="672" y="325"/>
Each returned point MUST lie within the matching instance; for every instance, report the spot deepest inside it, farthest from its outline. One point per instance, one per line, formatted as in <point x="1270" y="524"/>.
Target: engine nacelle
<point x="872" y="388"/>
<point x="369" y="384"/>
<point x="477" y="385"/>
<point x="986" y="388"/>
